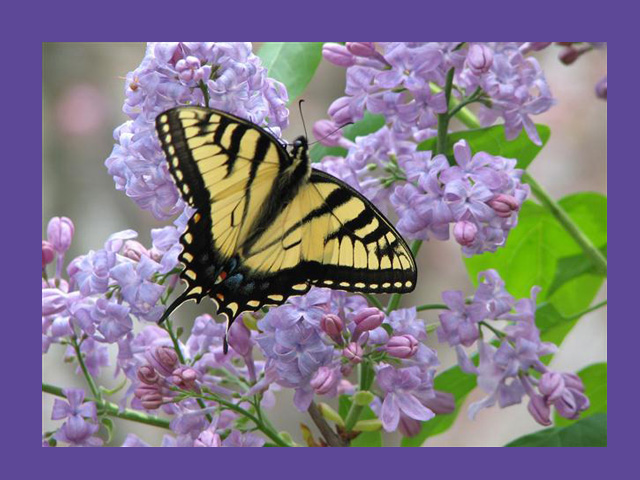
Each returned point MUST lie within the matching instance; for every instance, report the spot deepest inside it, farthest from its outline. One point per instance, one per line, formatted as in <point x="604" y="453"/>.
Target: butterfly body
<point x="267" y="225"/>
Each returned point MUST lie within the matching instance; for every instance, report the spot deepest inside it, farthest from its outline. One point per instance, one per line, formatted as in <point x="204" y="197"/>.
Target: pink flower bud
<point x="551" y="386"/>
<point x="537" y="46"/>
<point x="325" y="380"/>
<point x="402" y="346"/>
<point x="164" y="359"/>
<point x="442" y="403"/>
<point x="185" y="378"/>
<point x="408" y="426"/>
<point x="340" y="110"/>
<point x="48" y="253"/>
<point x="353" y="352"/>
<point x="539" y="410"/>
<point x="240" y="338"/>
<point x="573" y="381"/>
<point x="149" y="396"/>
<point x="504" y="205"/>
<point x="134" y="250"/>
<point x="465" y="233"/>
<point x="479" y="58"/>
<point x="147" y="375"/>
<point x="571" y="54"/>
<point x="333" y="326"/>
<point x="368" y="319"/>
<point x="60" y="233"/>
<point x="338" y="55"/>
<point x="327" y="133"/>
<point x="362" y="49"/>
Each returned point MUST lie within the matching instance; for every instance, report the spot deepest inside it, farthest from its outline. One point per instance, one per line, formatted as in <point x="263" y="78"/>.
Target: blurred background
<point x="83" y="92"/>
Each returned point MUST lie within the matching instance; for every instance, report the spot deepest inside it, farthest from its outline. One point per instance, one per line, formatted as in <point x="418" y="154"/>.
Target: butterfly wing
<point x="225" y="168"/>
<point x="330" y="235"/>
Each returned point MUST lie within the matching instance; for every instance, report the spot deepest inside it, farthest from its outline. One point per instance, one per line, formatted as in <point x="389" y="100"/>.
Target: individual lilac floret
<point x="81" y="419"/>
<point x="492" y="293"/>
<point x="459" y="324"/>
<point x="237" y="439"/>
<point x="498" y="377"/>
<point x="400" y="387"/>
<point x="175" y="73"/>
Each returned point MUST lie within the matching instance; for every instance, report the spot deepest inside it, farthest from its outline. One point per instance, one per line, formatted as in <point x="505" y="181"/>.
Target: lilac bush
<point x="376" y="362"/>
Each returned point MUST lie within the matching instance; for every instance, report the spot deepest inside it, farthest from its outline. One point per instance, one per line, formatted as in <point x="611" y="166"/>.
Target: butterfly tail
<point x="186" y="296"/>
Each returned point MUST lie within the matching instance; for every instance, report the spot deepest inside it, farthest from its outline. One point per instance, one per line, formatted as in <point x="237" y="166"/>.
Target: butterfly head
<point x="299" y="147"/>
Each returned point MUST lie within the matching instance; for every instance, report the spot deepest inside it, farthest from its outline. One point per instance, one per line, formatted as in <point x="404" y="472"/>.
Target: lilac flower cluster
<point x="104" y="289"/>
<point x="506" y="364"/>
<point x="313" y="342"/>
<point x="227" y="76"/>
<point x="396" y="79"/>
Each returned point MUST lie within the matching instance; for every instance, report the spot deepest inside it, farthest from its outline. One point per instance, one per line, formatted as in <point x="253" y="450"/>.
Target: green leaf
<point x="588" y="432"/>
<point x="454" y="381"/>
<point x="364" y="439"/>
<point x="369" y="124"/>
<point x="533" y="252"/>
<point x="594" y="378"/>
<point x="571" y="267"/>
<point x="292" y="63"/>
<point x="492" y="140"/>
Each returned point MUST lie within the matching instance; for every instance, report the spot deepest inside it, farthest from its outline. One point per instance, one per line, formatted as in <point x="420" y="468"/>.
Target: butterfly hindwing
<point x="330" y="235"/>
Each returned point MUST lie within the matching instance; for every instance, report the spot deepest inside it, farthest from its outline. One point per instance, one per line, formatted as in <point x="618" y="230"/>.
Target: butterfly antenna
<point x="331" y="133"/>
<point x="302" y="117"/>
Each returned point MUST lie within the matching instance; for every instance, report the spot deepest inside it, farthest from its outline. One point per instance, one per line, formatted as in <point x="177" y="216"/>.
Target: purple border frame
<point x="23" y="76"/>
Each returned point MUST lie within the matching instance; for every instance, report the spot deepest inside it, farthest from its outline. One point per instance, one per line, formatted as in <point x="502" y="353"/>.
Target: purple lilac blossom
<point x="400" y="387"/>
<point x="480" y="194"/>
<point x="172" y="74"/>
<point x="81" y="419"/>
<point x="504" y="369"/>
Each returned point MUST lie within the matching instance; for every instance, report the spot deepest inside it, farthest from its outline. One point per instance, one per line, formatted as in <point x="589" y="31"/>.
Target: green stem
<point x="443" y="118"/>
<point x="205" y="92"/>
<point x="466" y="116"/>
<point x="331" y="437"/>
<point x="92" y="384"/>
<point x="114" y="410"/>
<point x="267" y="430"/>
<point x="374" y="301"/>
<point x="365" y="378"/>
<point x="575" y="316"/>
<point x="474" y="97"/>
<point x="495" y="331"/>
<point x="432" y="306"/>
<point x="598" y="260"/>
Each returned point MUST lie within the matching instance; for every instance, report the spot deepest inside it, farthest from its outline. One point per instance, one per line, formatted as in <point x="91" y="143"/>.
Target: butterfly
<point x="267" y="225"/>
